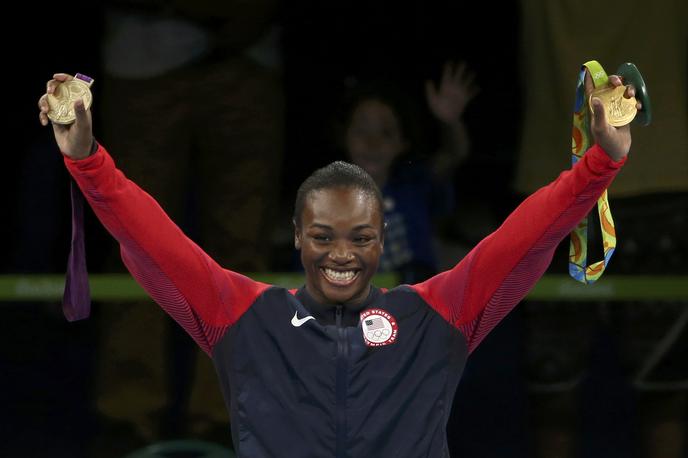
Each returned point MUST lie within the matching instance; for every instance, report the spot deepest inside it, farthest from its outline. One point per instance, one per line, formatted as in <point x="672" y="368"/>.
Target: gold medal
<point x="61" y="101"/>
<point x="619" y="110"/>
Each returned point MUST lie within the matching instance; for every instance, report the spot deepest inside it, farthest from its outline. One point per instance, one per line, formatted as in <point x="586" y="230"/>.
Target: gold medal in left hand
<point x="619" y="109"/>
<point x="61" y="101"/>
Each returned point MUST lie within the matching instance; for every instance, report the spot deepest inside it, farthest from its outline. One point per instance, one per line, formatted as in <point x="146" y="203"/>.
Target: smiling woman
<point x="339" y="228"/>
<point x="340" y="237"/>
<point x="374" y="371"/>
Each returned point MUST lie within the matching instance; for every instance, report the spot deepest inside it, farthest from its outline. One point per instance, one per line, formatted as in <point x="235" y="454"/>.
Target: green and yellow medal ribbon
<point x="581" y="140"/>
<point x="619" y="111"/>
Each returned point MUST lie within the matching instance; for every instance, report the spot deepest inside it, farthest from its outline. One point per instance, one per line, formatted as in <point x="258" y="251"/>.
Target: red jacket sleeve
<point x="200" y="295"/>
<point x="488" y="283"/>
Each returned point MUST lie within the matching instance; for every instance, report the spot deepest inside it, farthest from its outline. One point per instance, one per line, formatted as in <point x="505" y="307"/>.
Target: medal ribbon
<point x="581" y="140"/>
<point x="76" y="301"/>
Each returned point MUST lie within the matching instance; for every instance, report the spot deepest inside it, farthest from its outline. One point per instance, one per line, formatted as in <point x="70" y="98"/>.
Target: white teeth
<point x="337" y="275"/>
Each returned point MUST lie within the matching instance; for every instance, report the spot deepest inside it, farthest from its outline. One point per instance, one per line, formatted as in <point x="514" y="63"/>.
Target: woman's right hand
<point x="74" y="140"/>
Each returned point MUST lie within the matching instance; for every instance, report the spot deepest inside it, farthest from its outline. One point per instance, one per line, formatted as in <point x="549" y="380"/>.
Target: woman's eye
<point x="321" y="238"/>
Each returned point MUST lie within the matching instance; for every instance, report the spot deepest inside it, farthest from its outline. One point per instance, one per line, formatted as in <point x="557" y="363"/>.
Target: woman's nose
<point x="341" y="252"/>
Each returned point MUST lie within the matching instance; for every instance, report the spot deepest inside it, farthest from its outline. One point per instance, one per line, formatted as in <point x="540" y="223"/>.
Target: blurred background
<point x="221" y="109"/>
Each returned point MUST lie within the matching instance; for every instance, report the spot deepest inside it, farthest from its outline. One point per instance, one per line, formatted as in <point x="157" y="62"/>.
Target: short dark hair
<point x="338" y="174"/>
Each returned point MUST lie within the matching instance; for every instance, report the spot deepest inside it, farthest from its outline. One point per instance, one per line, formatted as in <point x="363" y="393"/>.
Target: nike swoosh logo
<point x="296" y="321"/>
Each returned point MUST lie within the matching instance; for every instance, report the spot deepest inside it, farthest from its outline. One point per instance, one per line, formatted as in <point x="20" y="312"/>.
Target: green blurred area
<point x="104" y="287"/>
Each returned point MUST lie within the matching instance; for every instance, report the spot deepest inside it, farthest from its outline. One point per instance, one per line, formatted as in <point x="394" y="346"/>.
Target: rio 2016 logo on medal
<point x="379" y="327"/>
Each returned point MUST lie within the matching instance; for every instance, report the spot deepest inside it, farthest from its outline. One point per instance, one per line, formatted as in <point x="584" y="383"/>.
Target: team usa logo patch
<point x="379" y="327"/>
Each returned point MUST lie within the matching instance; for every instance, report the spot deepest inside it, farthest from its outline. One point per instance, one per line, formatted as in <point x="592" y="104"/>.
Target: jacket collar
<point x="326" y="314"/>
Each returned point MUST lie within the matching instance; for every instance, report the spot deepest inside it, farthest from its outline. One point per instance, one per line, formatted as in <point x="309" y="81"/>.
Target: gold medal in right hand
<point x="619" y="110"/>
<point x="61" y="101"/>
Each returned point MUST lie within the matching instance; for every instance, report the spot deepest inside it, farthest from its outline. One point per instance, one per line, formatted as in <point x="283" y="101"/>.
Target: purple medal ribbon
<point x="86" y="79"/>
<point x="76" y="302"/>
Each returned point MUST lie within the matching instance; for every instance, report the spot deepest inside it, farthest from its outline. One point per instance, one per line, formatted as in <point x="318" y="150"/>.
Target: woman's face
<point x="340" y="236"/>
<point x="374" y="138"/>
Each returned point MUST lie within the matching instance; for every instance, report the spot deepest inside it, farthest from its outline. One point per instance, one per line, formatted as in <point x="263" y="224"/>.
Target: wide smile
<point x="340" y="277"/>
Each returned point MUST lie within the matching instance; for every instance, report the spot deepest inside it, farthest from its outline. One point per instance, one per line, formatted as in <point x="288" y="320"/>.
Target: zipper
<point x="342" y="354"/>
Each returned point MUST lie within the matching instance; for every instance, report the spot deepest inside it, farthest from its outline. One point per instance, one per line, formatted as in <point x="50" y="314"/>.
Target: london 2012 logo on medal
<point x="379" y="327"/>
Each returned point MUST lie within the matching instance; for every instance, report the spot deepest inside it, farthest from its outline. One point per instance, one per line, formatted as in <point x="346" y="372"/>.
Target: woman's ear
<point x="382" y="237"/>
<point x="297" y="235"/>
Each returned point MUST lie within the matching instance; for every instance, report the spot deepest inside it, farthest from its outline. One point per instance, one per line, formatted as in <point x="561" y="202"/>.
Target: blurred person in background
<point x="379" y="132"/>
